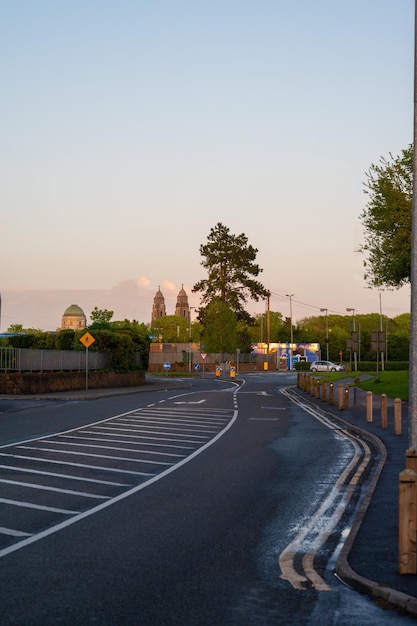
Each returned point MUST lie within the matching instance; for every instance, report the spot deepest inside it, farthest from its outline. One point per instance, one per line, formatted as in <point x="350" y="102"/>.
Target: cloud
<point x="143" y="281"/>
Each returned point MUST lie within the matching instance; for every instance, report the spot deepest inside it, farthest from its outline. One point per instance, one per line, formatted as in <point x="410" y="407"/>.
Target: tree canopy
<point x="387" y="221"/>
<point x="230" y="263"/>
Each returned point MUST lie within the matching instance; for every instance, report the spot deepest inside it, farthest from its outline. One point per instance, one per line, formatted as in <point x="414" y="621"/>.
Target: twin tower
<point x="182" y="308"/>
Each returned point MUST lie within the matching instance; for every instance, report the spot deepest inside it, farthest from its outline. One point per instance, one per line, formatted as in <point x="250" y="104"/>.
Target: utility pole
<point x="290" y="295"/>
<point x="327" y="331"/>
<point x="413" y="277"/>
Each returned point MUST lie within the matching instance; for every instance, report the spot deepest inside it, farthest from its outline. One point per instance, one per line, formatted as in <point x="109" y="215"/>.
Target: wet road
<point x="239" y="523"/>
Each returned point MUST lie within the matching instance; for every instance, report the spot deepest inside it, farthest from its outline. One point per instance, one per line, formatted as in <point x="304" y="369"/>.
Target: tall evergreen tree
<point x="230" y="263"/>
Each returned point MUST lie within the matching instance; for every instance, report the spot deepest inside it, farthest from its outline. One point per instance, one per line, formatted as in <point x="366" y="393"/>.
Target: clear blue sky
<point x="130" y="128"/>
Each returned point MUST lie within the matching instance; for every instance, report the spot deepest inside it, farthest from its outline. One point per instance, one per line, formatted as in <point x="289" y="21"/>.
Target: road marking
<point x="189" y="402"/>
<point x="322" y="523"/>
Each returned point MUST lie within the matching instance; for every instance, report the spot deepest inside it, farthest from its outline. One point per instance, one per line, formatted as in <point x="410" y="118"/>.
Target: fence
<point x="30" y="360"/>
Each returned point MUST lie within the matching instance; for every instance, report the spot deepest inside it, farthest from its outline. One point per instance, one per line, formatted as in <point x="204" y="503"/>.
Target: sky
<point x="129" y="129"/>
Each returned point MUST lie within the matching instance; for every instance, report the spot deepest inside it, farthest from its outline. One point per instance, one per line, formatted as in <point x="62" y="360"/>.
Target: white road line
<point x="83" y="494"/>
<point x="38" y="507"/>
<point x="82" y="465"/>
<point x="66" y="476"/>
<point x="125" y="449"/>
<point x="139" y="440"/>
<point x="13" y="533"/>
<point x="94" y="456"/>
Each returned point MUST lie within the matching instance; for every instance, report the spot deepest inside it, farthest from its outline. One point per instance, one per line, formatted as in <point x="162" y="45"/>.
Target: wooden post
<point x="407" y="522"/>
<point x="318" y="389"/>
<point x="384" y="411"/>
<point x="347" y="397"/>
<point x="411" y="460"/>
<point x="369" y="398"/>
<point x="299" y="380"/>
<point x="397" y="416"/>
<point x="340" y="397"/>
<point x="331" y="393"/>
<point x="324" y="391"/>
<point x="312" y="386"/>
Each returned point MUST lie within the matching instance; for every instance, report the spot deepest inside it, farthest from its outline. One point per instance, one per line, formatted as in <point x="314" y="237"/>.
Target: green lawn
<point x="393" y="384"/>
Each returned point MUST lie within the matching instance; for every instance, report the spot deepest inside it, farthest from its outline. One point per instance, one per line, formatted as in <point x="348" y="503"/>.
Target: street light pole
<point x="412" y="391"/>
<point x="354" y="330"/>
<point x="327" y="331"/>
<point x="191" y="342"/>
<point x="290" y="295"/>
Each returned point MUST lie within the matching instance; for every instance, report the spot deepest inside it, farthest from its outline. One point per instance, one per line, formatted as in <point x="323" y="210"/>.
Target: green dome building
<point x="73" y="318"/>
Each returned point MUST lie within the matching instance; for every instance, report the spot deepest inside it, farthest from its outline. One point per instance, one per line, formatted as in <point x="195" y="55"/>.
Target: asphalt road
<point x="230" y="532"/>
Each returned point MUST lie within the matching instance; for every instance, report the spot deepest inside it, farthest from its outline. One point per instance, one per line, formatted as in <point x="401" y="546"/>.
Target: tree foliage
<point x="387" y="221"/>
<point x="100" y="317"/>
<point x="231" y="271"/>
<point x="220" y="333"/>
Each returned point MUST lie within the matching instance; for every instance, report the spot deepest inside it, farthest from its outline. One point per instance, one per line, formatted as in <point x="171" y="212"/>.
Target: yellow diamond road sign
<point x="87" y="340"/>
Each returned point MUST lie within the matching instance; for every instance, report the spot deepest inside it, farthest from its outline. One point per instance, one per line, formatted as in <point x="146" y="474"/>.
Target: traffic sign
<point x="203" y="355"/>
<point x="196" y="367"/>
<point x="167" y="365"/>
<point x="87" y="340"/>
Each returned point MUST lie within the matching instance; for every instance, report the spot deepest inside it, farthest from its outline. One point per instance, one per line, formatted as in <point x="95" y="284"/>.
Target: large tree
<point x="387" y="221"/>
<point x="231" y="268"/>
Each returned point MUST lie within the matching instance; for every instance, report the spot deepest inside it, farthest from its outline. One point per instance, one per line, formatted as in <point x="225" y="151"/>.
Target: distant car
<point x="326" y="366"/>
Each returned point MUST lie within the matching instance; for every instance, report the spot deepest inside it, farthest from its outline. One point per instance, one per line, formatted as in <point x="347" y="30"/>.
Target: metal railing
<point x="31" y="360"/>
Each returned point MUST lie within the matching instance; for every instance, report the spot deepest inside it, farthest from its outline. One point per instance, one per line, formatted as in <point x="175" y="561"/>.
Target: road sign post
<point x="86" y="340"/>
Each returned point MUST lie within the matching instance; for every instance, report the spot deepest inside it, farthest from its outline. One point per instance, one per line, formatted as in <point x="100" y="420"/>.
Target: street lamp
<point x="191" y="341"/>
<point x="354" y="338"/>
<point x="290" y="295"/>
<point x="327" y="331"/>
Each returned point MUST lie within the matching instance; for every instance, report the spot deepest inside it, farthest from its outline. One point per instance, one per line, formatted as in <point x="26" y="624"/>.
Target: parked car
<point x="326" y="366"/>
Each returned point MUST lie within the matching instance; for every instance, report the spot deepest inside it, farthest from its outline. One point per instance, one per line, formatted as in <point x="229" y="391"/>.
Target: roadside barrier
<point x="384" y="411"/>
<point x="369" y="406"/>
<point x="325" y="391"/>
<point x="407" y="522"/>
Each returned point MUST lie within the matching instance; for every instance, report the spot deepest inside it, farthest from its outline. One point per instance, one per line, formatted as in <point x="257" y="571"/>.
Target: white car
<point x="326" y="366"/>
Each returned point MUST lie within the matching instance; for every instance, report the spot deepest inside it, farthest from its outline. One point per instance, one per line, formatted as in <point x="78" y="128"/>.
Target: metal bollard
<point x="340" y="397"/>
<point x="397" y="416"/>
<point x="407" y="522"/>
<point x="384" y="411"/>
<point x="369" y="408"/>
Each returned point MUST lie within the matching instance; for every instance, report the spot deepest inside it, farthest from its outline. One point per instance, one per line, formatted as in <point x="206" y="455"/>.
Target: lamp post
<point x="354" y="336"/>
<point x="327" y="331"/>
<point x="191" y="342"/>
<point x="290" y="295"/>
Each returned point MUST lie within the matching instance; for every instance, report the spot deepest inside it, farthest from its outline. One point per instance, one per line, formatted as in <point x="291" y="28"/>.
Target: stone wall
<point x="35" y="383"/>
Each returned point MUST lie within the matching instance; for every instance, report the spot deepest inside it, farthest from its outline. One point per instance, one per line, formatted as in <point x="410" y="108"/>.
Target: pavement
<point x="368" y="560"/>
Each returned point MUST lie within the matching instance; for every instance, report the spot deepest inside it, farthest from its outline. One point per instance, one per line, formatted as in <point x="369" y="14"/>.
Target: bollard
<point x="298" y="380"/>
<point x="331" y="393"/>
<point x="407" y="522"/>
<point x="340" y="397"/>
<point x="411" y="460"/>
<point x="312" y="386"/>
<point x="347" y="397"/>
<point x="303" y="382"/>
<point x="369" y="399"/>
<point x="397" y="416"/>
<point x="318" y="389"/>
<point x="384" y="411"/>
<point x="324" y="391"/>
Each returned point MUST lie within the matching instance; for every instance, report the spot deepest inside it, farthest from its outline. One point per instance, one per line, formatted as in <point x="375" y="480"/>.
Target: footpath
<point x="369" y="559"/>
